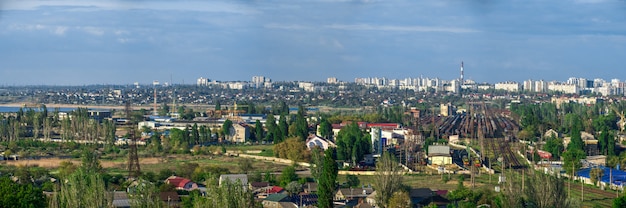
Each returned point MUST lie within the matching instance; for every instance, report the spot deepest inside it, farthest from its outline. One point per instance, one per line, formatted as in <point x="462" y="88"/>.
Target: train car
<point x="477" y="162"/>
<point x="465" y="161"/>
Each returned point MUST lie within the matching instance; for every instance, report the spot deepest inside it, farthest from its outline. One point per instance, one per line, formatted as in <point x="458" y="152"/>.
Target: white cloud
<point x="333" y="43"/>
<point x="121" y="32"/>
<point x="286" y="26"/>
<point x="92" y="30"/>
<point x="394" y="28"/>
<point x="60" y="30"/>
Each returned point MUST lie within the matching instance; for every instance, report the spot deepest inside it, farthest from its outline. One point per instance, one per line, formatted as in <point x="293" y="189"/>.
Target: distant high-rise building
<point x="332" y="80"/>
<point x="203" y="81"/>
<point x="508" y="86"/>
<point x="260" y="81"/>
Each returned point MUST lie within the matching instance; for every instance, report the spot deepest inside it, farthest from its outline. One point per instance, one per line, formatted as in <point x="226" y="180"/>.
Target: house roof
<point x="170" y="196"/>
<point x="287" y="205"/>
<point x="259" y="184"/>
<point x="277" y="198"/>
<point x="356" y="192"/>
<point x="178" y="182"/>
<point x="438" y="150"/>
<point x="234" y="177"/>
<point x="274" y="189"/>
<point x="421" y="193"/>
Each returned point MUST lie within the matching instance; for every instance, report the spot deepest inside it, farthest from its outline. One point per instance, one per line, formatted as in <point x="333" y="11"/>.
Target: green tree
<point x="352" y="181"/>
<point x="571" y="160"/>
<point x="546" y="191"/>
<point x="245" y="165"/>
<point x="195" y="134"/>
<point x="317" y="160"/>
<point x="270" y="124"/>
<point x="326" y="129"/>
<point x="218" y="105"/>
<point x="283" y="127"/>
<point x="82" y="189"/>
<point x="595" y="174"/>
<point x="20" y="195"/>
<point x="554" y="146"/>
<point x="619" y="202"/>
<point x="302" y="127"/>
<point x="227" y="195"/>
<point x="164" y="110"/>
<point x="293" y="188"/>
<point x="226" y="128"/>
<point x="400" y="199"/>
<point x="145" y="195"/>
<point x="387" y="179"/>
<point x="327" y="180"/>
<point x="288" y="175"/>
<point x="258" y="130"/>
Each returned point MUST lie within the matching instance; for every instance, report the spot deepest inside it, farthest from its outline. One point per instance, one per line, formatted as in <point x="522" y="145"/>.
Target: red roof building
<point x="181" y="183"/>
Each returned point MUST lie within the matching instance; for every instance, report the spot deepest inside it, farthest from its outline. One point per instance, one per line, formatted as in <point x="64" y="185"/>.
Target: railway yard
<point x="491" y="131"/>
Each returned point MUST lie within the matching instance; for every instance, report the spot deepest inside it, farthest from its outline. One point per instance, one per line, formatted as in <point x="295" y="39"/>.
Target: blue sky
<point x="120" y="42"/>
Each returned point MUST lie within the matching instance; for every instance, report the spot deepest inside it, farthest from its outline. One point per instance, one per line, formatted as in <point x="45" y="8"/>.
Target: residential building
<point x="352" y="193"/>
<point x="239" y="133"/>
<point x="234" y="178"/>
<point x="508" y="86"/>
<point x="315" y="140"/>
<point x="181" y="183"/>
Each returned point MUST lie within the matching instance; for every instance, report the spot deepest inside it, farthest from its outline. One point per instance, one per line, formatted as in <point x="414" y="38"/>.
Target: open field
<point x="156" y="164"/>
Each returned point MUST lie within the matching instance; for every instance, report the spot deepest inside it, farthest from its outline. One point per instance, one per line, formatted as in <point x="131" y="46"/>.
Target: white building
<point x="315" y="140"/>
<point x="565" y="88"/>
<point x="203" y="81"/>
<point x="508" y="86"/>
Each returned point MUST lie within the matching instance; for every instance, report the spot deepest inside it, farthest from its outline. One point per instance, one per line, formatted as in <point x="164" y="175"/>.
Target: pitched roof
<point x="243" y="178"/>
<point x="169" y="196"/>
<point x="274" y="190"/>
<point x="277" y="198"/>
<point x="438" y="150"/>
<point x="178" y="182"/>
<point x="421" y="193"/>
<point x="259" y="184"/>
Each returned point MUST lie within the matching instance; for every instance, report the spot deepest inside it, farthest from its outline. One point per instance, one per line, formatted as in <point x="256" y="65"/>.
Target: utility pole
<point x="523" y="176"/>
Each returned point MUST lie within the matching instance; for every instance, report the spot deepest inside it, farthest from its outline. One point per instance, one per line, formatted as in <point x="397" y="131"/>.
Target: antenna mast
<point x="133" y="158"/>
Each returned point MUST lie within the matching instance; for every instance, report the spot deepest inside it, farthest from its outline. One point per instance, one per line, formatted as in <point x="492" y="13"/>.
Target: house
<point x="421" y="197"/>
<point x="234" y="178"/>
<point x="121" y="199"/>
<point x="258" y="185"/>
<point x="591" y="144"/>
<point x="439" y="155"/>
<point x="352" y="193"/>
<point x="239" y="133"/>
<point x="310" y="187"/>
<point x="170" y="198"/>
<point x="371" y="199"/>
<point x="315" y="140"/>
<point x="551" y="132"/>
<point x="278" y="201"/>
<point x="181" y="183"/>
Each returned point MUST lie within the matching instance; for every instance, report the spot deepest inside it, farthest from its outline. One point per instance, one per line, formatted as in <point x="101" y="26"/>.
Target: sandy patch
<point x="55" y="162"/>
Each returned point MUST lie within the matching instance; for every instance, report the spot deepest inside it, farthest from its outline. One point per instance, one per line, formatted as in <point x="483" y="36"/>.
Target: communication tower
<point x="133" y="158"/>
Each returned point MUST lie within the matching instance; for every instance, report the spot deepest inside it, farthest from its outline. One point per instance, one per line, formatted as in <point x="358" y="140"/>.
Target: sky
<point x="121" y="42"/>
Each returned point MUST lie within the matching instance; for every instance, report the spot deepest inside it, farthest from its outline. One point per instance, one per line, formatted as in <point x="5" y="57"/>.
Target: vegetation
<point x="388" y="178"/>
<point x="327" y="180"/>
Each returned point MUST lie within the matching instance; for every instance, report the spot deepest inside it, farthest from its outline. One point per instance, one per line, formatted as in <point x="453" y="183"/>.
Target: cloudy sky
<point x="120" y="42"/>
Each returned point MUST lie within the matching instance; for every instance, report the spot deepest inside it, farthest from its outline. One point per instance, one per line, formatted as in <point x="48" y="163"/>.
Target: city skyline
<point x="121" y="42"/>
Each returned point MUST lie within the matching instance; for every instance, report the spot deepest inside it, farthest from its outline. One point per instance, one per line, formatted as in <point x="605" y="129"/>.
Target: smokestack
<point x="461" y="72"/>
